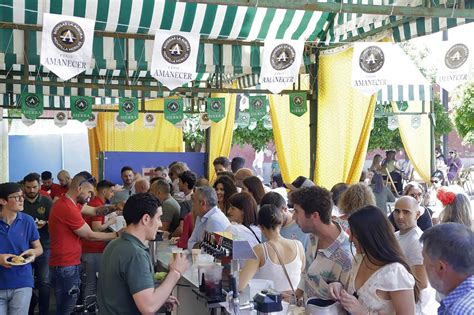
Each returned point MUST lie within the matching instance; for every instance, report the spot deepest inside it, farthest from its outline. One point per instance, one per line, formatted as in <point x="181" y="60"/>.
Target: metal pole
<point x="445" y="102"/>
<point x="313" y="114"/>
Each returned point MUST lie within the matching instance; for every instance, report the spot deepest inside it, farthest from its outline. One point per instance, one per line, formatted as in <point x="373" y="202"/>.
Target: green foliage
<point x="193" y="137"/>
<point x="257" y="138"/>
<point x="464" y="116"/>
<point x="443" y="122"/>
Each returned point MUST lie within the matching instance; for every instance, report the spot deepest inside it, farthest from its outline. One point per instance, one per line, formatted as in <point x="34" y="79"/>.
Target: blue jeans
<point x="66" y="282"/>
<point x="90" y="263"/>
<point x="15" y="301"/>
<point x="42" y="282"/>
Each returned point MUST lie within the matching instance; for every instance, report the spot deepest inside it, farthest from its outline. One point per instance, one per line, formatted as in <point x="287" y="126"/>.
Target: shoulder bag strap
<point x="253" y="232"/>
<point x="284" y="268"/>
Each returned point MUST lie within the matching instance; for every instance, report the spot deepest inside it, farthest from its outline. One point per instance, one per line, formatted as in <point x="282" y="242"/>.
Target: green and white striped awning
<point x="408" y="92"/>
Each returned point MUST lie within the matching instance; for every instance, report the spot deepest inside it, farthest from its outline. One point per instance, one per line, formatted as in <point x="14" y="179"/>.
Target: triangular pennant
<point x="60" y="118"/>
<point x="26" y="121"/>
<point x="216" y="108"/>
<point x="31" y="105"/>
<point x="204" y="122"/>
<point x="149" y="120"/>
<point x="252" y="125"/>
<point x="392" y="122"/>
<point x="298" y="104"/>
<point x="415" y="121"/>
<point x="119" y="123"/>
<point x="243" y="120"/>
<point x="174" y="110"/>
<point x="454" y="64"/>
<point x="81" y="107"/>
<point x="257" y="106"/>
<point x="267" y="122"/>
<point x="182" y="123"/>
<point x="91" y="122"/>
<point x="128" y="109"/>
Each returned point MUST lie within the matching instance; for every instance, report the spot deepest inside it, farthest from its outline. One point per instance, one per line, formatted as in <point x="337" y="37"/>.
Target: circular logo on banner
<point x="282" y="57"/>
<point x="216" y="106"/>
<point x="205" y="117"/>
<point x="176" y="49"/>
<point x="298" y="101"/>
<point x="371" y="59"/>
<point x="81" y="105"/>
<point x="456" y="56"/>
<point x="32" y="101"/>
<point x="128" y="106"/>
<point x="68" y="36"/>
<point x="173" y="107"/>
<point x="257" y="103"/>
<point x="149" y="118"/>
<point x="60" y="116"/>
<point x="91" y="117"/>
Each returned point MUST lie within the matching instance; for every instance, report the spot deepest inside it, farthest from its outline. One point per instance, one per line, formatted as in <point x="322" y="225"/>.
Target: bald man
<point x="142" y="185"/>
<point x="405" y="215"/>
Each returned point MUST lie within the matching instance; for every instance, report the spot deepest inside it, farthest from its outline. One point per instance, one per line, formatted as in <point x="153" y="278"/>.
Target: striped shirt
<point x="460" y="300"/>
<point x="323" y="266"/>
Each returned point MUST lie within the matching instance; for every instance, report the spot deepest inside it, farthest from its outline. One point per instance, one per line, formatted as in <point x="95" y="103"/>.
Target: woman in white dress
<point x="381" y="281"/>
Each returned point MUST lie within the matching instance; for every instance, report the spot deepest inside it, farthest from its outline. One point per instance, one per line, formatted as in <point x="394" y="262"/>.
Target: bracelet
<point x="179" y="273"/>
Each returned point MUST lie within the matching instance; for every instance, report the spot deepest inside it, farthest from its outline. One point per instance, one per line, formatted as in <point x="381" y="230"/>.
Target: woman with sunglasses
<point x="454" y="165"/>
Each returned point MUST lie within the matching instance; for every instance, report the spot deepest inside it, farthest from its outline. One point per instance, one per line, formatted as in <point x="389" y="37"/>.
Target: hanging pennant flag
<point x="298" y="104"/>
<point x="281" y="64"/>
<point x="149" y="120"/>
<point x="174" y="58"/>
<point x="370" y="66"/>
<point x="392" y="122"/>
<point x="415" y="121"/>
<point x="31" y="105"/>
<point x="119" y="123"/>
<point x="174" y="110"/>
<point x="91" y="122"/>
<point x="128" y="109"/>
<point x="60" y="118"/>
<point x="66" y="44"/>
<point x="243" y="120"/>
<point x="257" y="106"/>
<point x="267" y="122"/>
<point x="81" y="107"/>
<point x="216" y="109"/>
<point x="182" y="123"/>
<point x="204" y="122"/>
<point x="252" y="125"/>
<point x="454" y="64"/>
<point x="26" y="121"/>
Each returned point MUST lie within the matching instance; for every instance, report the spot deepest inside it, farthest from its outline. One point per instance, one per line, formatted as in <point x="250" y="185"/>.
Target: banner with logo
<point x="243" y="120"/>
<point x="174" y="58"/>
<point x="257" y="106"/>
<point x="149" y="120"/>
<point x="81" y="107"/>
<point x="91" y="122"/>
<point x="31" y="105"/>
<point x="66" y="44"/>
<point x="298" y="104"/>
<point x="370" y="66"/>
<point x="204" y="121"/>
<point x="281" y="64"/>
<point x="118" y="122"/>
<point x="26" y="121"/>
<point x="174" y="110"/>
<point x="60" y="118"/>
<point x="392" y="122"/>
<point x="216" y="109"/>
<point x="128" y="109"/>
<point x="454" y="64"/>
<point x="267" y="122"/>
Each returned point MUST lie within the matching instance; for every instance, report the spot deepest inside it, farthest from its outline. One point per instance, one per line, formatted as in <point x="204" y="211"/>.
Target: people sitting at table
<point x="273" y="254"/>
<point x="243" y="217"/>
<point x="225" y="188"/>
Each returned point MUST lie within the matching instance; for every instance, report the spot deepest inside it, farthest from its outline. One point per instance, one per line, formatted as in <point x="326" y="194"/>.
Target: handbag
<point x="317" y="306"/>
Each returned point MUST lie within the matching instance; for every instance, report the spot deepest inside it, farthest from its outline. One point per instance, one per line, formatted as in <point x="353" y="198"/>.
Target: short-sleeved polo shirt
<point x="66" y="247"/>
<point x="40" y="209"/>
<point x="15" y="239"/>
<point x="125" y="269"/>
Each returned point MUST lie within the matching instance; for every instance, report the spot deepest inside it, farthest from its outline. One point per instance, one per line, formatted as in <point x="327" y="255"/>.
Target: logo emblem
<point x="68" y="36"/>
<point x="216" y="106"/>
<point x="176" y="49"/>
<point x="128" y="106"/>
<point x="91" y="118"/>
<point x="257" y="104"/>
<point x="32" y="101"/>
<point x="60" y="116"/>
<point x="282" y="57"/>
<point x="149" y="118"/>
<point x="298" y="101"/>
<point x="41" y="210"/>
<point x="173" y="107"/>
<point x="371" y="59"/>
<point x="456" y="56"/>
<point x="81" y="105"/>
<point x="205" y="117"/>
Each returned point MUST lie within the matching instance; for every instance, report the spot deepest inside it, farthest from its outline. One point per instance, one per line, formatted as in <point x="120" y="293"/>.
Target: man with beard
<point x="128" y="177"/>
<point x="59" y="190"/>
<point x="47" y="182"/>
<point x="39" y="207"/>
<point x="67" y="227"/>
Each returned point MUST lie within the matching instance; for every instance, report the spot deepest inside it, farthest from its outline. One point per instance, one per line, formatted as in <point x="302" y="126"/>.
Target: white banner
<point x="204" y="122"/>
<point x="92" y="121"/>
<point x="26" y="121"/>
<point x="174" y="58"/>
<point x="454" y="64"/>
<point x="149" y="120"/>
<point x="119" y="123"/>
<point x="371" y="66"/>
<point x="60" y="118"/>
<point x="66" y="45"/>
<point x="281" y="64"/>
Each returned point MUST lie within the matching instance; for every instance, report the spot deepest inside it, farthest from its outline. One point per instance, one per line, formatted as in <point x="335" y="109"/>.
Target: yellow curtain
<point x="164" y="137"/>
<point x="221" y="132"/>
<point x="291" y="136"/>
<point x="344" y="119"/>
<point x="416" y="142"/>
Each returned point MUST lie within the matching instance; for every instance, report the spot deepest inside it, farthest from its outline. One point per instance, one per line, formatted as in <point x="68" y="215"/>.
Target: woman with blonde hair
<point x="376" y="166"/>
<point x="457" y="208"/>
<point x="175" y="171"/>
<point x="355" y="197"/>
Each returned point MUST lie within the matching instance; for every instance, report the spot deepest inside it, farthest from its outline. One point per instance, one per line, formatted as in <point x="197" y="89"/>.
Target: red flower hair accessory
<point x="446" y="197"/>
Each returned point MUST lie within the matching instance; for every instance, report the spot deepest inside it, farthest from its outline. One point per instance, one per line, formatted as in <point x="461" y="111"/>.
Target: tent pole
<point x="313" y="114"/>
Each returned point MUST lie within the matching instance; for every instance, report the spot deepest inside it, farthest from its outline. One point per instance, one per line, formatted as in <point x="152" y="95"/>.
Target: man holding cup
<point x="126" y="280"/>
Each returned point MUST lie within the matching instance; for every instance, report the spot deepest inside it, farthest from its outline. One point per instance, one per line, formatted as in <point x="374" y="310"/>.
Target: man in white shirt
<point x="405" y="215"/>
<point x="210" y="217"/>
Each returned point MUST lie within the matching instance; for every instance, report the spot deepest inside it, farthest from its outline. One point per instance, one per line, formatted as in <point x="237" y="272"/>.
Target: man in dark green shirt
<point x="38" y="207"/>
<point x="126" y="279"/>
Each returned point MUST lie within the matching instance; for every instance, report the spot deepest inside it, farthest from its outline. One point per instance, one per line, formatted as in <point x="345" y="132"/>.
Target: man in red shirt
<point x="47" y="183"/>
<point x="92" y="251"/>
<point x="66" y="228"/>
<point x="58" y="191"/>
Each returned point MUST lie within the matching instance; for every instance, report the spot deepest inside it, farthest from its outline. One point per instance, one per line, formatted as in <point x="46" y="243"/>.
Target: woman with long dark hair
<point x="225" y="188"/>
<point x="381" y="281"/>
<point x="254" y="186"/>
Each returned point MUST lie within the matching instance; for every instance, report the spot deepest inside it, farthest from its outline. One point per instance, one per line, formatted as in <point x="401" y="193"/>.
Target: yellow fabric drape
<point x="344" y="119"/>
<point x="291" y="136"/>
<point x="164" y="137"/>
<point x="416" y="142"/>
<point x="221" y="132"/>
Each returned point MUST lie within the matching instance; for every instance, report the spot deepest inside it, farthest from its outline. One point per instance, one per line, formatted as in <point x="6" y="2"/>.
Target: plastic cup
<point x="195" y="253"/>
<point x="176" y="251"/>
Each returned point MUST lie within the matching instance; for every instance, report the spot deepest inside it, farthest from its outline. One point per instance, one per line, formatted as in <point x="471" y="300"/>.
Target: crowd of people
<point x="88" y="240"/>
